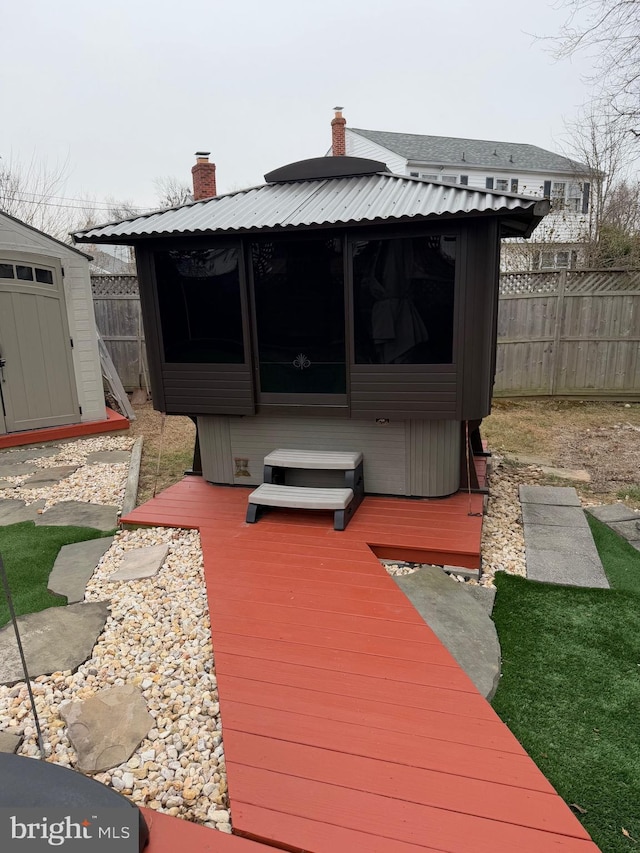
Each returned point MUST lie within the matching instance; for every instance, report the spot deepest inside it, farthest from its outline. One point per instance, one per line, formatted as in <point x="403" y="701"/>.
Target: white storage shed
<point x="50" y="371"/>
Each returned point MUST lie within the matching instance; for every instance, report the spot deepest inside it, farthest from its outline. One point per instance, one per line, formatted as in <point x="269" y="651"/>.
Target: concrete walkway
<point x="558" y="542"/>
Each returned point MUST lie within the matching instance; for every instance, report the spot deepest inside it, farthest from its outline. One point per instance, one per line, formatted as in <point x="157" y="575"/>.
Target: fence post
<point x="557" y="333"/>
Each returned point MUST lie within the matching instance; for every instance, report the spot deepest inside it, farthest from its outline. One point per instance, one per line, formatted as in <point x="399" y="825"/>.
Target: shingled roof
<point x="483" y="153"/>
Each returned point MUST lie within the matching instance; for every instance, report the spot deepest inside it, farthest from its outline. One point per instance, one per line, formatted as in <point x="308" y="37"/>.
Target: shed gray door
<point x="37" y="381"/>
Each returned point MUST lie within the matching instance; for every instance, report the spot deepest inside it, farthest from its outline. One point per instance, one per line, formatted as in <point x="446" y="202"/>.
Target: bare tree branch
<point x="609" y="30"/>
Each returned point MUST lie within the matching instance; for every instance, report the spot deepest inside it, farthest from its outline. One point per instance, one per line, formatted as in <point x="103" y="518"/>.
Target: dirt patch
<point x="167" y="451"/>
<point x="603" y="438"/>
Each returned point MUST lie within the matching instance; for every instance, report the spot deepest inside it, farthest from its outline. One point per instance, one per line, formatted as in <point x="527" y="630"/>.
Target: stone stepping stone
<point x="108" y="456"/>
<point x="9" y="742"/>
<point x="567" y="567"/>
<point x="74" y="566"/>
<point x="629" y="530"/>
<point x="29" y="453"/>
<point x="106" y="729"/>
<point x="551" y="495"/>
<point x="559" y="547"/>
<point x="559" y="516"/>
<point x="141" y="563"/>
<point x="48" y="476"/>
<point x="54" y="640"/>
<point x="613" y="512"/>
<point x="14" y="511"/>
<point x="446" y="606"/>
<point x="17" y="469"/>
<point x="80" y="514"/>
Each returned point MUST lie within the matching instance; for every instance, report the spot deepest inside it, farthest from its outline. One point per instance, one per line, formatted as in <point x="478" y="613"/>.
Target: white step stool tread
<point x="323" y="459"/>
<point x="299" y="497"/>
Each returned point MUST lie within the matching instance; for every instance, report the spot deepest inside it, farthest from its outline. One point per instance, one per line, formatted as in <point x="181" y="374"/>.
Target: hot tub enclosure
<point x="337" y="306"/>
<point x="50" y="371"/>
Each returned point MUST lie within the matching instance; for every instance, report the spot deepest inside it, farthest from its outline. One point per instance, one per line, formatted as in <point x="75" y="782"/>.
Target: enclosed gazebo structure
<point x="336" y="307"/>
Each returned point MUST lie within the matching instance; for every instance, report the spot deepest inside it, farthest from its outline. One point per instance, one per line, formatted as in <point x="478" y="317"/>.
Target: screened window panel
<point x="200" y="305"/>
<point x="299" y="300"/>
<point x="404" y="300"/>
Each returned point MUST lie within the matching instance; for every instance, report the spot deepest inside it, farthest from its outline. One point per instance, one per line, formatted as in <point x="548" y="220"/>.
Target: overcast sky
<point x="128" y="90"/>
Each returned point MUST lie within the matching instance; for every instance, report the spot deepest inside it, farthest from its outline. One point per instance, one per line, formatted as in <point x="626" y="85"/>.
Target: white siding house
<point x="508" y="167"/>
<point x="50" y="366"/>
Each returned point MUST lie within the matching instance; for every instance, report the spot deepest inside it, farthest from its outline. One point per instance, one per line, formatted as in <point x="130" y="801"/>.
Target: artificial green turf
<point x="570" y="692"/>
<point x="29" y="553"/>
<point x="620" y="560"/>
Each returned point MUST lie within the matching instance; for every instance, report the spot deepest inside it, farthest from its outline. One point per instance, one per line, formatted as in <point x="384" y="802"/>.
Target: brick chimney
<point x="204" y="177"/>
<point x="338" y="143"/>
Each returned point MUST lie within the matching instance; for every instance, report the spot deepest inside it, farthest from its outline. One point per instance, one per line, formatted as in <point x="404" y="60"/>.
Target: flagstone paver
<point x="141" y="563"/>
<point x="9" y="742"/>
<point x="48" y="476"/>
<point x="54" y="640"/>
<point x="15" y="511"/>
<point x="552" y="495"/>
<point x="74" y="566"/>
<point x="16" y="469"/>
<point x="460" y="621"/>
<point x="27" y="454"/>
<point x="80" y="514"/>
<point x="613" y="512"/>
<point x="107" y="728"/>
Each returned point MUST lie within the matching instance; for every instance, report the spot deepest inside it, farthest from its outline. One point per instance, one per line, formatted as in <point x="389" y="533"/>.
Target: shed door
<point x="37" y="381"/>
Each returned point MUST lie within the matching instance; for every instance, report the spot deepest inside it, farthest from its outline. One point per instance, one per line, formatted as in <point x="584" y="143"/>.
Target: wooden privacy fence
<point x="569" y="333"/>
<point x="117" y="307"/>
<point x="561" y="332"/>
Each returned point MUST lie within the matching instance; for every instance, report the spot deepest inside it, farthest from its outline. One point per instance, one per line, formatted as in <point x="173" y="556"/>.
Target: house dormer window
<point x="502" y="185"/>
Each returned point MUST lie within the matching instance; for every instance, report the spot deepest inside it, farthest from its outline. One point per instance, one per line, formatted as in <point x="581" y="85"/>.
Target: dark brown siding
<point x="208" y="389"/>
<point x="478" y="320"/>
<point x="403" y="391"/>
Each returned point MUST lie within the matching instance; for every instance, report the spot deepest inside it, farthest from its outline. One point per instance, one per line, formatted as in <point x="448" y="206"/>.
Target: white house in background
<point x="509" y="167"/>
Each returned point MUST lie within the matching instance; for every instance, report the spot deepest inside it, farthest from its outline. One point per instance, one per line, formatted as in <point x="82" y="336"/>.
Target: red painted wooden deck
<point x="113" y="422"/>
<point x="347" y="726"/>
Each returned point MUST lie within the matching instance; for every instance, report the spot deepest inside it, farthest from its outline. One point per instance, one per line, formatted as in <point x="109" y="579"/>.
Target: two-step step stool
<point x="275" y="493"/>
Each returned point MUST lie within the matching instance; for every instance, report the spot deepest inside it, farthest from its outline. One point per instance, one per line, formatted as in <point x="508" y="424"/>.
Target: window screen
<point x="200" y="307"/>
<point x="403" y="297"/>
<point x="299" y="299"/>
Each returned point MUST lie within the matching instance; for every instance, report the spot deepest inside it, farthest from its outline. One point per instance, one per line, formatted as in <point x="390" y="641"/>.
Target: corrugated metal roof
<point x="331" y="201"/>
<point x="449" y="150"/>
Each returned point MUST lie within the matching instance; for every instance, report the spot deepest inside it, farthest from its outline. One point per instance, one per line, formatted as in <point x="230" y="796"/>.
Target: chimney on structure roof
<point x="204" y="177"/>
<point x="338" y="139"/>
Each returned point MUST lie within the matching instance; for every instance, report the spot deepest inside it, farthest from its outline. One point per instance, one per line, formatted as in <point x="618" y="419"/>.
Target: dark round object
<point x="29" y="783"/>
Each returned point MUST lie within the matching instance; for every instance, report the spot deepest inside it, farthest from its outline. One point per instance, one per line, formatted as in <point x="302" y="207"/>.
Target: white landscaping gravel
<point x="101" y="484"/>
<point x="157" y="637"/>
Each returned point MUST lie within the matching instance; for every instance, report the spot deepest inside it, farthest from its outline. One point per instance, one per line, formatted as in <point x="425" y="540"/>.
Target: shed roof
<point x="358" y="199"/>
<point x="44" y="234"/>
<point x="451" y="150"/>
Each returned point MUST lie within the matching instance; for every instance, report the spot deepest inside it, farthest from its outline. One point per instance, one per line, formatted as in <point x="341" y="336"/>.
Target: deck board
<point x="347" y="726"/>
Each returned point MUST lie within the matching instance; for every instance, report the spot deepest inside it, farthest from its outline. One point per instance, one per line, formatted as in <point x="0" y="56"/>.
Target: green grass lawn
<point x="29" y="553"/>
<point x="570" y="689"/>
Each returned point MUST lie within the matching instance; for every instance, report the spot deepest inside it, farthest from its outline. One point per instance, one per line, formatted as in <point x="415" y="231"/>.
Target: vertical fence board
<point x="116" y="302"/>
<point x="569" y="332"/>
